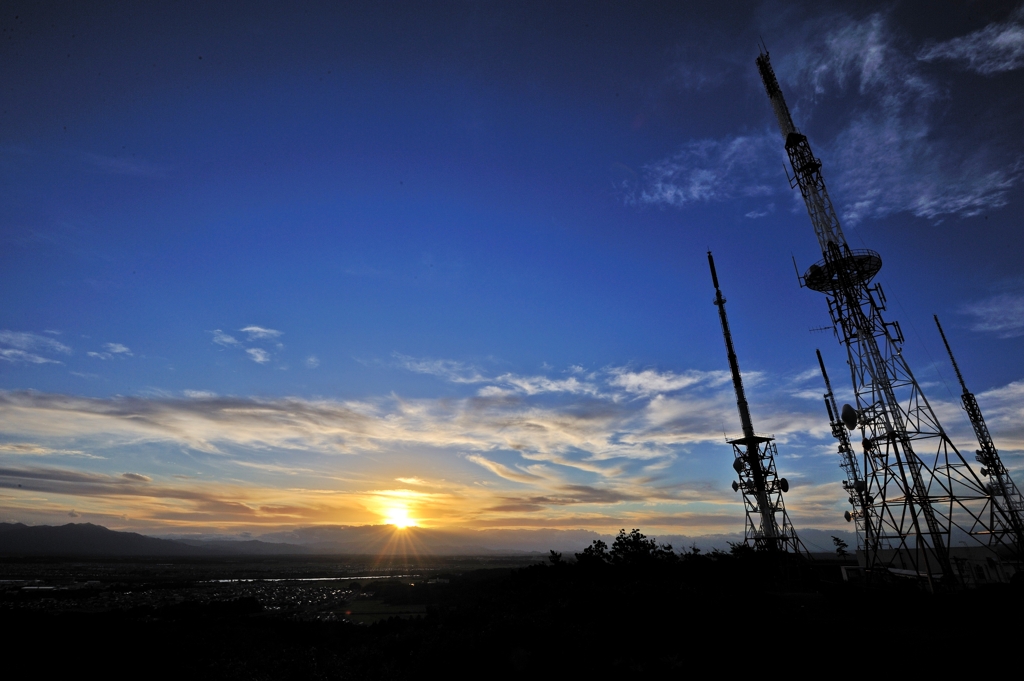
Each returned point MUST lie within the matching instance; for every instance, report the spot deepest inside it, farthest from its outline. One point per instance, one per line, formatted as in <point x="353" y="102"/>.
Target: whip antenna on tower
<point x="921" y="495"/>
<point x="854" y="484"/>
<point x="767" y="526"/>
<point x="1007" y="510"/>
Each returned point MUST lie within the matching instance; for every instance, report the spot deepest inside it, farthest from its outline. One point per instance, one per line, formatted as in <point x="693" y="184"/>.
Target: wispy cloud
<point x="713" y="170"/>
<point x="889" y="154"/>
<point x="33" y="449"/>
<point x="221" y="338"/>
<point x="651" y="382"/>
<point x="258" y="332"/>
<point x="254" y="334"/>
<point x="258" y="355"/>
<point x="450" y="370"/>
<point x="117" y="349"/>
<point x="996" y="48"/>
<point x="1002" y="314"/>
<point x="198" y="394"/>
<point x="312" y="362"/>
<point x="30" y="348"/>
<point x="503" y="471"/>
<point x="889" y="157"/>
<point x="111" y="350"/>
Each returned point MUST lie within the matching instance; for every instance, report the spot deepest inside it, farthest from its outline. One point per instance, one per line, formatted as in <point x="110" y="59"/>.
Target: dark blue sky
<point x="456" y="209"/>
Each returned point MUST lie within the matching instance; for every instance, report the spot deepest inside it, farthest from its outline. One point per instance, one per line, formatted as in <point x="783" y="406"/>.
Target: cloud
<point x="503" y="385"/>
<point x="254" y="333"/>
<point x="312" y="362"/>
<point x="584" y="494"/>
<point x="887" y="149"/>
<point x="713" y="170"/>
<point x="221" y="503"/>
<point x="73" y="514"/>
<point x="503" y="471"/>
<point x="221" y="338"/>
<point x="11" y="355"/>
<point x="621" y="425"/>
<point x="650" y="382"/>
<point x="450" y="370"/>
<point x="534" y="385"/>
<point x="112" y="350"/>
<point x="258" y="332"/>
<point x="117" y="349"/>
<point x="20" y="346"/>
<point x="33" y="449"/>
<point x="198" y="394"/>
<point x="257" y="355"/>
<point x="1002" y="315"/>
<point x="996" y="48"/>
<point x="889" y="156"/>
<point x="647" y="442"/>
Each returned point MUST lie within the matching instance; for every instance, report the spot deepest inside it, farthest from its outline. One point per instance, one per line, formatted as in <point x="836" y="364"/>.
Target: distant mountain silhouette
<point x="85" y="539"/>
<point x="420" y="541"/>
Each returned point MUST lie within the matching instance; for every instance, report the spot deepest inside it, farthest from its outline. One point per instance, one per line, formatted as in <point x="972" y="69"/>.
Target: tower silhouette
<point x="1007" y="510"/>
<point x="767" y="526"/>
<point x="920" y="495"/>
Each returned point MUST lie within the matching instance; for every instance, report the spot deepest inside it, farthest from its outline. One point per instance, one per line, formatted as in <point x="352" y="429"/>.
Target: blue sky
<point x="268" y="266"/>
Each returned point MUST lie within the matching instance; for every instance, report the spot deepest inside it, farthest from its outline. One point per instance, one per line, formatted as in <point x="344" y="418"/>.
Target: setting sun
<point x="399" y="517"/>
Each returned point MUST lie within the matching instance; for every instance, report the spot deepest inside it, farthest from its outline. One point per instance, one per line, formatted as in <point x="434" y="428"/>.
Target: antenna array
<point x="919" y="493"/>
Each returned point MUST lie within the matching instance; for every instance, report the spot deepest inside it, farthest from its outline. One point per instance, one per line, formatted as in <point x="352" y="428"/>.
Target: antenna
<point x="913" y="501"/>
<point x="952" y="359"/>
<point x="854" y="483"/>
<point x="1006" y="498"/>
<point x="754" y="462"/>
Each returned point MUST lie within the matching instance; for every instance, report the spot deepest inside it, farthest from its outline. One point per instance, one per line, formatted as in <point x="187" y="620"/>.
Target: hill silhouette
<point x="86" y="539"/>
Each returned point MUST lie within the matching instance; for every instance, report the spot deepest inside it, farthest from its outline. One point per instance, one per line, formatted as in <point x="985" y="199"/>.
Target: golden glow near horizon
<point x="638" y="451"/>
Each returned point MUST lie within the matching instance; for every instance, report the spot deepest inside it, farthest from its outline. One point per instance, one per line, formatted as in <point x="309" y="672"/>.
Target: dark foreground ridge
<point x="628" y="610"/>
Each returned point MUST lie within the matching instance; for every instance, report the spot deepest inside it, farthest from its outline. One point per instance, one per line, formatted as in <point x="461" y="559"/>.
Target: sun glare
<point x="399" y="517"/>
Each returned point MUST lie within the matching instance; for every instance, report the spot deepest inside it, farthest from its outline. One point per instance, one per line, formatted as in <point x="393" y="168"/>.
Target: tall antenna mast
<point x="1007" y="503"/>
<point x="754" y="462"/>
<point x="854" y="484"/>
<point x="919" y="488"/>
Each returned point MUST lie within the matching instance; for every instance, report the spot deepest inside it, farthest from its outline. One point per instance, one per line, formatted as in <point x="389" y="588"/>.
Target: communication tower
<point x="1007" y="504"/>
<point x="920" y="494"/>
<point x="754" y="463"/>
<point x="855" y="485"/>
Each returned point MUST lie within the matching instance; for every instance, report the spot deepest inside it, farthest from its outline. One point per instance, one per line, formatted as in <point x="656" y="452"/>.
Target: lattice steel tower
<point x="855" y="485"/>
<point x="920" y="494"/>
<point x="754" y="462"/>
<point x="1007" y="510"/>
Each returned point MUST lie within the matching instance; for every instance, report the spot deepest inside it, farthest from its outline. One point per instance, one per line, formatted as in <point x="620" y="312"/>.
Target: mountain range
<point x="86" y="539"/>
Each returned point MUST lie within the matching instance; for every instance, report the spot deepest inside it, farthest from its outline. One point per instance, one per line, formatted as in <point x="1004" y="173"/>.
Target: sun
<point x="399" y="517"/>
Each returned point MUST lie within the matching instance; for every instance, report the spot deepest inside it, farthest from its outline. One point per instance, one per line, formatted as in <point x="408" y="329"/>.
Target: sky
<point x="267" y="265"/>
